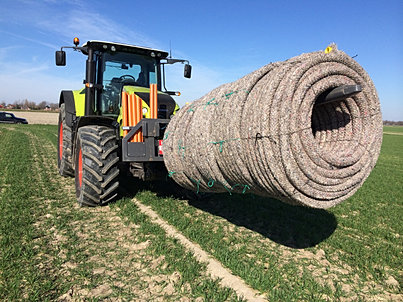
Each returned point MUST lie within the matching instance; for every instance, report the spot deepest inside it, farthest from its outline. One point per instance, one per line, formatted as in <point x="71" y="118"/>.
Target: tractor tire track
<point x="214" y="267"/>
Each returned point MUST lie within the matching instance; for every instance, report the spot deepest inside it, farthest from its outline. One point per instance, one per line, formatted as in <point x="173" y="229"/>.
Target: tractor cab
<point x="112" y="68"/>
<point x="123" y="71"/>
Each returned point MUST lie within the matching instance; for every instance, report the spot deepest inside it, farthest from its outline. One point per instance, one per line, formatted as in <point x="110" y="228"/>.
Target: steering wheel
<point x="126" y="77"/>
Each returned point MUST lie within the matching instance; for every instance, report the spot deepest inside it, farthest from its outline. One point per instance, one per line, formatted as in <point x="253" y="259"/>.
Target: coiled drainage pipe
<point x="277" y="133"/>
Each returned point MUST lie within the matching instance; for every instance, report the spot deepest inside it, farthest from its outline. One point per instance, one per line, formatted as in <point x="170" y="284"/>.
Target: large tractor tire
<point x="96" y="171"/>
<point x="64" y="160"/>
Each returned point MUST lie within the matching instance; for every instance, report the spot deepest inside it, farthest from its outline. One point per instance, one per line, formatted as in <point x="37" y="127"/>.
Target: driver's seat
<point x="141" y="81"/>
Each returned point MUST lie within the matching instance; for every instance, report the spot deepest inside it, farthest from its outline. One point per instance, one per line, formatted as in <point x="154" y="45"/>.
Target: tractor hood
<point x="166" y="104"/>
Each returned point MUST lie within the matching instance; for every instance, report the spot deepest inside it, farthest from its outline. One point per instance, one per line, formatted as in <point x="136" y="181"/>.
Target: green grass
<point x="394" y="129"/>
<point x="293" y="253"/>
<point x="50" y="247"/>
<point x="20" y="275"/>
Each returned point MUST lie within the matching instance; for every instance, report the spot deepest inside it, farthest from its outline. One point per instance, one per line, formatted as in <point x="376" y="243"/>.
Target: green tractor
<point x="94" y="143"/>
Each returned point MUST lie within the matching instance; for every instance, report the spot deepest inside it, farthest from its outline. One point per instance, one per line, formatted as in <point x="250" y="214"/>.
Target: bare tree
<point x="54" y="106"/>
<point x="42" y="105"/>
<point x="18" y="104"/>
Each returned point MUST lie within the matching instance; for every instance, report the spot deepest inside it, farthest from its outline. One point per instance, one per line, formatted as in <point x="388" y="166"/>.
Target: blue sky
<point x="223" y="40"/>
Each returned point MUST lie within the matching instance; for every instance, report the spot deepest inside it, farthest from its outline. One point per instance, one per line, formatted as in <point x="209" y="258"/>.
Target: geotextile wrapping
<point x="266" y="133"/>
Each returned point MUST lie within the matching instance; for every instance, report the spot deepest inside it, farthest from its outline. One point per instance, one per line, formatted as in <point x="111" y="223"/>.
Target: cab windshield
<point x="121" y="69"/>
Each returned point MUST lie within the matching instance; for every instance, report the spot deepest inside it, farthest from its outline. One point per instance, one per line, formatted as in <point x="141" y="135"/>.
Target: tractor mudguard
<point x="176" y="109"/>
<point x="79" y="101"/>
<point x="74" y="104"/>
<point x="66" y="97"/>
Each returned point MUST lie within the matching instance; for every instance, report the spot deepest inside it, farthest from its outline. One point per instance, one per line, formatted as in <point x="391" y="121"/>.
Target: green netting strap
<point x="246" y="187"/>
<point x="225" y="187"/>
<point x="181" y="148"/>
<point x="223" y="141"/>
<point x="227" y="95"/>
<point x="218" y="143"/>
<point x="197" y="182"/>
<point x="211" y="102"/>
<point x="211" y="183"/>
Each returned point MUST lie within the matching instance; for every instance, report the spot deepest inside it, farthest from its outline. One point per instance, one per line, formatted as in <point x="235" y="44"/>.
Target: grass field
<point x="393" y="130"/>
<point x="52" y="249"/>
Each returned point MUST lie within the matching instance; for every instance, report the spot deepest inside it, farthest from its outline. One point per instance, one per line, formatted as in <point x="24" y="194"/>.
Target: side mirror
<point x="60" y="58"/>
<point x="187" y="72"/>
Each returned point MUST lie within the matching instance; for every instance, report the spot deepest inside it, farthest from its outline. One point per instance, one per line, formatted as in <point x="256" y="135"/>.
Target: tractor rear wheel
<point x="64" y="160"/>
<point x="96" y="171"/>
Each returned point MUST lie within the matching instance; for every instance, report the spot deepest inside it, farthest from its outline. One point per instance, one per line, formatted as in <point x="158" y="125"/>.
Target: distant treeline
<point x="392" y="123"/>
<point x="29" y="105"/>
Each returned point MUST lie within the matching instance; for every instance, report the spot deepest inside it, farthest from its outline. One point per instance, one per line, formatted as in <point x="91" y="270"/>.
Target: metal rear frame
<point x="147" y="151"/>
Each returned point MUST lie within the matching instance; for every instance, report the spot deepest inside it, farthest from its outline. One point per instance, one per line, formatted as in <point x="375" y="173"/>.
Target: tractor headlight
<point x="145" y="110"/>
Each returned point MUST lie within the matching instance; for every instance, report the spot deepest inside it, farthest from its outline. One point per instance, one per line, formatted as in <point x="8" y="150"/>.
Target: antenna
<point x="170" y="49"/>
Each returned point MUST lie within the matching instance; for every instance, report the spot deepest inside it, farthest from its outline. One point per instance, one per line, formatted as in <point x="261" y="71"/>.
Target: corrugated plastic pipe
<point x="268" y="133"/>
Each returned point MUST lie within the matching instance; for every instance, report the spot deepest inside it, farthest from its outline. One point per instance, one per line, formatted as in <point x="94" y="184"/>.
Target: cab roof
<point x="120" y="47"/>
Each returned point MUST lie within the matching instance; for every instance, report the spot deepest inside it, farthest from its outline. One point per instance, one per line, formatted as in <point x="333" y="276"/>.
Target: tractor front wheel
<point x="96" y="171"/>
<point x="64" y="147"/>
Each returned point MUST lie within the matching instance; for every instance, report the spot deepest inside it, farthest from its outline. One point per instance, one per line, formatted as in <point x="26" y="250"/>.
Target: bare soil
<point x="44" y="118"/>
<point x="214" y="267"/>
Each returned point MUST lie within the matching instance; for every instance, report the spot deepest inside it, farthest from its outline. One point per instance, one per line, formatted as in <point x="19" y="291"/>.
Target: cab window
<point x="121" y="69"/>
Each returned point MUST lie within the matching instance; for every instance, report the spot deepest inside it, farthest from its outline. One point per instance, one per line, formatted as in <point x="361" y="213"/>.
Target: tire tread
<point x="100" y="165"/>
<point x="65" y="164"/>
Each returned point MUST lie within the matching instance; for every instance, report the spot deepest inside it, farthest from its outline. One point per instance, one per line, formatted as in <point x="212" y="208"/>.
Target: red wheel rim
<point x="60" y="141"/>
<point x="80" y="168"/>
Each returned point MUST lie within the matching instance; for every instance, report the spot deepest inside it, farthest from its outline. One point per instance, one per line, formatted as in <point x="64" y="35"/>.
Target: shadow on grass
<point x="293" y="226"/>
